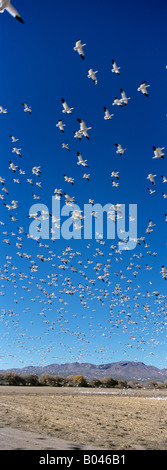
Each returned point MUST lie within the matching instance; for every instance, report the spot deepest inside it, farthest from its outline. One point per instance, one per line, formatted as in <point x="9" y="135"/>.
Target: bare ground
<point x="94" y="418"/>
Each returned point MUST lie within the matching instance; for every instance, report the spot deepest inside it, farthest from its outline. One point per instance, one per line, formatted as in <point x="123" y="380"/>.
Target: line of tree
<point x="11" y="378"/>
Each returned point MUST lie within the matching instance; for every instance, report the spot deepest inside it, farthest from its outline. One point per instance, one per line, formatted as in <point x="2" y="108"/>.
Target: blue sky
<point x="39" y="67"/>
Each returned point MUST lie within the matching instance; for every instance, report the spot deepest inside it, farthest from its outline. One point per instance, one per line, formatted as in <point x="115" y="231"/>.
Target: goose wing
<point x="14" y="13"/>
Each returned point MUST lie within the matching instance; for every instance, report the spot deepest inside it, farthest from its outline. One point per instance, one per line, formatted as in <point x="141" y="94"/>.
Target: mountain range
<point x="119" y="370"/>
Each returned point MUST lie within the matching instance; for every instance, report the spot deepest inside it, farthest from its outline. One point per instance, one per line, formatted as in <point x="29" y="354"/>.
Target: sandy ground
<point x="69" y="418"/>
<point x="17" y="439"/>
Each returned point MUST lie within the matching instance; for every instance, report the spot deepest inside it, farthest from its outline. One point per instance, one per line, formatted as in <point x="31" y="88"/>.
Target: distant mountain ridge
<point x="127" y="370"/>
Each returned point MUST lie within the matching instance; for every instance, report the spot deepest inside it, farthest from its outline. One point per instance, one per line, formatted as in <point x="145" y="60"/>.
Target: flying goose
<point x="13" y="138"/>
<point x="2" y="180"/>
<point x="58" y="191"/>
<point x="69" y="203"/>
<point x="164" y="179"/>
<point x="5" y="190"/>
<point x="151" y="191"/>
<point x="158" y="152"/>
<point x="86" y="176"/>
<point x="107" y="115"/>
<point x="148" y="268"/>
<point x="83" y="129"/>
<point x="2" y="110"/>
<point x="65" y="146"/>
<point x="12" y="166"/>
<point x="69" y="179"/>
<point x="39" y="184"/>
<point x="142" y="88"/>
<point x="36" y="170"/>
<point x="94" y="214"/>
<point x="15" y="150"/>
<point x="116" y="174"/>
<point x="151" y="178"/>
<point x="81" y="161"/>
<point x="35" y="197"/>
<point x="9" y="206"/>
<point x="66" y="107"/>
<point x="116" y="207"/>
<point x="117" y="102"/>
<point x="92" y="75"/>
<point x="69" y="198"/>
<point x="16" y="180"/>
<point x="13" y="218"/>
<point x="148" y="230"/>
<point x="29" y="180"/>
<point x="76" y="214"/>
<point x="115" y="184"/>
<point x="120" y="149"/>
<point x="77" y="227"/>
<point x="151" y="224"/>
<point x="164" y="272"/>
<point x="77" y="135"/>
<point x="115" y="68"/>
<point x="124" y="99"/>
<point x="27" y="108"/>
<point x="6" y="5"/>
<point x="60" y="125"/>
<point x="78" y="47"/>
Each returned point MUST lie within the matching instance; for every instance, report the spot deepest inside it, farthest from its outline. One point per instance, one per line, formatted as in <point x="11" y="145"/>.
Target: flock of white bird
<point x="96" y="280"/>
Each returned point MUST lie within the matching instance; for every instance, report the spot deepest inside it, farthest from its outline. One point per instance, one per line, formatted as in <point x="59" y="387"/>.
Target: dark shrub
<point x="122" y="384"/>
<point x="134" y="384"/>
<point x="11" y="378"/>
<point x="109" y="382"/>
<point x="95" y="383"/>
<point x="47" y="379"/>
<point x="30" y="380"/>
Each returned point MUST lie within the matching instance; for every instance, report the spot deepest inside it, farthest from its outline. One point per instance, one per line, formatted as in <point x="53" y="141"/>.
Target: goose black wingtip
<point x="19" y="19"/>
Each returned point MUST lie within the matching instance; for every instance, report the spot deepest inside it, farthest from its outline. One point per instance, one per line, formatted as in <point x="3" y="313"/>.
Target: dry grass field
<point x="104" y="418"/>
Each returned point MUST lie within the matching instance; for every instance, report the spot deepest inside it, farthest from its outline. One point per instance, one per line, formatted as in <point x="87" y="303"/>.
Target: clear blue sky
<point x="40" y="67"/>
